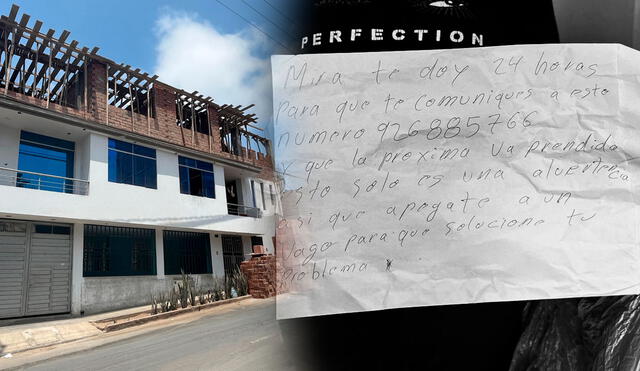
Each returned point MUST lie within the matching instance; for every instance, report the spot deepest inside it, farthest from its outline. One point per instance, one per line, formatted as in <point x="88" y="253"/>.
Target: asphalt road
<point x="246" y="338"/>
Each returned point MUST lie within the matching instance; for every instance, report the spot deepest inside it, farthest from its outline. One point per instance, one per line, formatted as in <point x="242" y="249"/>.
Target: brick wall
<point x="162" y="127"/>
<point x="261" y="275"/>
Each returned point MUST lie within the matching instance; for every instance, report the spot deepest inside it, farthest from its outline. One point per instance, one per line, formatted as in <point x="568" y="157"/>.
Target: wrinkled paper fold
<point x="461" y="176"/>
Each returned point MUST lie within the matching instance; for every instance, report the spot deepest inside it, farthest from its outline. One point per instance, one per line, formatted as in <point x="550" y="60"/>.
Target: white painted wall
<point x="77" y="280"/>
<point x="99" y="294"/>
<point x="9" y="143"/>
<point x="127" y="204"/>
<point x="217" y="266"/>
<point x="82" y="157"/>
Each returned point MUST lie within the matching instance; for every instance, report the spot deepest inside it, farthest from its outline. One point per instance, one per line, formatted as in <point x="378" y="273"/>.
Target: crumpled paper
<point x="461" y="176"/>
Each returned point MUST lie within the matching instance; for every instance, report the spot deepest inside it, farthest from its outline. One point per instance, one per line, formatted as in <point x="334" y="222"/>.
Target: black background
<point x="460" y="337"/>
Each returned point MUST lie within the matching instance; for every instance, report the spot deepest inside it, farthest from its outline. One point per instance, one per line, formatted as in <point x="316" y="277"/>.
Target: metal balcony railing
<point x="43" y="182"/>
<point x="243" y="210"/>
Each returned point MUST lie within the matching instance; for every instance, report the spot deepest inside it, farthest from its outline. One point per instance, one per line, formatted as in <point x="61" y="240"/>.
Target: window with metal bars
<point x="187" y="252"/>
<point x="118" y="251"/>
<point x="232" y="253"/>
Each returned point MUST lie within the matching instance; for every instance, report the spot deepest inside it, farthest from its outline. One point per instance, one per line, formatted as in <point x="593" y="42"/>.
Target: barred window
<point x="118" y="251"/>
<point x="186" y="251"/>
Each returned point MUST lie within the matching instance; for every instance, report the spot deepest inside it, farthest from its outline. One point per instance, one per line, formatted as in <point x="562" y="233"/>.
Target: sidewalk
<point x="27" y="336"/>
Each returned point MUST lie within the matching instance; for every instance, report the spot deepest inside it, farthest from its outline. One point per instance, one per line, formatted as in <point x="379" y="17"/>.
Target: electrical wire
<point x="264" y="16"/>
<point x="279" y="12"/>
<point x="254" y="26"/>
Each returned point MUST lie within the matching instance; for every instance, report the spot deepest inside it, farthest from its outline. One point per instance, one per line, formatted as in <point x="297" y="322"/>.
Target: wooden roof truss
<point x="45" y="66"/>
<point x="130" y="89"/>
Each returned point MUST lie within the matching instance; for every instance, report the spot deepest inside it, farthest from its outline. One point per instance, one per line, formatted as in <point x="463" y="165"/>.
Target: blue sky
<point x="198" y="35"/>
<point x="124" y="30"/>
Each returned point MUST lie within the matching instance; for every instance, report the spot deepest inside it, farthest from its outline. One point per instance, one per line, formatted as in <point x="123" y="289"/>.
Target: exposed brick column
<point x="97" y="91"/>
<point x="214" y="121"/>
<point x="261" y="275"/>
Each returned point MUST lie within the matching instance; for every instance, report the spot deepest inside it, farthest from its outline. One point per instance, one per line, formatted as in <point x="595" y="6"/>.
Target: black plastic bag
<point x="580" y="334"/>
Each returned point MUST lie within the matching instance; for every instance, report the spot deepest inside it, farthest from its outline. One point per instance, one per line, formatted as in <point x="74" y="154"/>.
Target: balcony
<point x="243" y="210"/>
<point x="43" y="182"/>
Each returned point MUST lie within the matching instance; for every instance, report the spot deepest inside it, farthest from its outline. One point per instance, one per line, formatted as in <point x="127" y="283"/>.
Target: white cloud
<point x="192" y="55"/>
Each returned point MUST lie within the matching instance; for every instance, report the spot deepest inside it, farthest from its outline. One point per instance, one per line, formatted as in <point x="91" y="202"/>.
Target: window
<point x="196" y="177"/>
<point x="272" y="195"/>
<point x="256" y="240"/>
<point x="186" y="251"/>
<point x="52" y="229"/>
<point x="118" y="251"/>
<point x="45" y="155"/>
<point x="253" y="193"/>
<point x="264" y="204"/>
<point x="132" y="164"/>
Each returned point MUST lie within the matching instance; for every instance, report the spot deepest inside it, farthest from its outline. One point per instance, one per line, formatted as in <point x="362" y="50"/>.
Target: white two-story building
<point x="112" y="183"/>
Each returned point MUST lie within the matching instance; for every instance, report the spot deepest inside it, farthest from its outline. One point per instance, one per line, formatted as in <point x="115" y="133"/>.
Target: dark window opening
<point x="256" y="240"/>
<point x="52" y="229"/>
<point x="118" y="251"/>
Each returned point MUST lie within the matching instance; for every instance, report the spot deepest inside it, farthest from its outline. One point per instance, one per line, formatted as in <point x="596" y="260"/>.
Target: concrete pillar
<point x="77" y="281"/>
<point x="217" y="260"/>
<point x="159" y="254"/>
<point x="247" y="247"/>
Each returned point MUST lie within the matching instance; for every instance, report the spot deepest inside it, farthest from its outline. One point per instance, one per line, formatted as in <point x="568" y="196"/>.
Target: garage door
<point x="35" y="268"/>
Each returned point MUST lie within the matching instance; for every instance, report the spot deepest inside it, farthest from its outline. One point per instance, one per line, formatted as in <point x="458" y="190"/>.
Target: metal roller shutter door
<point x="49" y="274"/>
<point x="13" y="252"/>
<point x="35" y="269"/>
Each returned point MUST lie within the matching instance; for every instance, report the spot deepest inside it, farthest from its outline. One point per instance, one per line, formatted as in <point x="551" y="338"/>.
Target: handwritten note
<point x="462" y="176"/>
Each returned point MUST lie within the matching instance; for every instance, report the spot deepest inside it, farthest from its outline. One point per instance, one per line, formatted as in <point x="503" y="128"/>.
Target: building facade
<point x="112" y="182"/>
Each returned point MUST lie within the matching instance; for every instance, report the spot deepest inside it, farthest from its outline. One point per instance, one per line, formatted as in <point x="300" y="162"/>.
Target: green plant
<point x="236" y="282"/>
<point x="202" y="297"/>
<point x="185" y="290"/>
<point x="164" y="303"/>
<point x="218" y="289"/>
<point x="240" y="282"/>
<point x="192" y="295"/>
<point x="154" y="305"/>
<point x="173" y="300"/>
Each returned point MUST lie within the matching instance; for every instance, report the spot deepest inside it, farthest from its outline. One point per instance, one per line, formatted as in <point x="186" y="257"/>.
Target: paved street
<point x="246" y="338"/>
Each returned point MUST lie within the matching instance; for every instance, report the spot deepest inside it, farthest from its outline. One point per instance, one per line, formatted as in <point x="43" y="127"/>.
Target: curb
<point x="48" y="345"/>
<point x="159" y="316"/>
